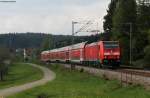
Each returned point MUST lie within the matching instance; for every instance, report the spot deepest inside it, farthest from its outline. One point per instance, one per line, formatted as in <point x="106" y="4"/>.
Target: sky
<point x="51" y="16"/>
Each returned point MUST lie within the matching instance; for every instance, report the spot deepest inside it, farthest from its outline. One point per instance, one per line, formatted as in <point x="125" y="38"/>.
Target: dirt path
<point x="48" y="76"/>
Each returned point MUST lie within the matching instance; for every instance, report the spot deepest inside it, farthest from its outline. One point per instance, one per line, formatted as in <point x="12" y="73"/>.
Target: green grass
<point x="83" y="85"/>
<point x="19" y="74"/>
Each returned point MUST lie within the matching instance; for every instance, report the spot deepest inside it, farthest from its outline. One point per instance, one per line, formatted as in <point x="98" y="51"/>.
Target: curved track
<point x="48" y="76"/>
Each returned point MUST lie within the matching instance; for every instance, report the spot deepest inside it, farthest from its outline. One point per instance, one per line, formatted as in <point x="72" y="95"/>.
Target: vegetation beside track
<point x="75" y="84"/>
<point x="19" y="74"/>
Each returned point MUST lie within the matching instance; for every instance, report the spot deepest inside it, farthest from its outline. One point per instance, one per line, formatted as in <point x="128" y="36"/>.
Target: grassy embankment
<point x="19" y="74"/>
<point x="82" y="85"/>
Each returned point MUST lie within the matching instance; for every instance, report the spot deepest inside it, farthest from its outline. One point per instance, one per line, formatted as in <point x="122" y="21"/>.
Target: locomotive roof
<point x="92" y="44"/>
<point x="110" y="41"/>
<point x="95" y="43"/>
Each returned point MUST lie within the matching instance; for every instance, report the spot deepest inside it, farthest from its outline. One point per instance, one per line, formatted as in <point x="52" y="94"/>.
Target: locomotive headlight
<point x="106" y="53"/>
<point x="116" y="53"/>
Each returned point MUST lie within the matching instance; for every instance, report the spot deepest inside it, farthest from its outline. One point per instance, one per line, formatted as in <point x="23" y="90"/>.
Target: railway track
<point x="144" y="73"/>
<point x="131" y="70"/>
<point x="124" y="69"/>
<point x="130" y="67"/>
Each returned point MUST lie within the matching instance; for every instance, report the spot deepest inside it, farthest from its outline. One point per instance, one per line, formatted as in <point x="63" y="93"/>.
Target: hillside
<point x="34" y="40"/>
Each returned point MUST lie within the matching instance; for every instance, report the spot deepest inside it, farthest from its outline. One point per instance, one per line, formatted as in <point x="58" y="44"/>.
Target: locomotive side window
<point x="109" y="45"/>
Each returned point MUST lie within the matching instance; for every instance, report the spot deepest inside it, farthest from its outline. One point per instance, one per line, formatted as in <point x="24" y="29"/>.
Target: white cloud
<point x="56" y="20"/>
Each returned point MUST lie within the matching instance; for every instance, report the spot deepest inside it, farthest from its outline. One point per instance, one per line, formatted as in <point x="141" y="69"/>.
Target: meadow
<point x="20" y="73"/>
<point x="76" y="84"/>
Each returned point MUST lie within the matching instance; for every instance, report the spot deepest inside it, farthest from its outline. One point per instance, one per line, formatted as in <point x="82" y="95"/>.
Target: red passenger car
<point x="45" y="56"/>
<point x="92" y="53"/>
<point x="77" y="52"/>
<point x="60" y="54"/>
<point x="63" y="54"/>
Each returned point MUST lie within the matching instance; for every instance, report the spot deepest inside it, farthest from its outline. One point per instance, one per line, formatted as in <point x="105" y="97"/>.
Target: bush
<point x="3" y="70"/>
<point x="147" y="54"/>
<point x="4" y="61"/>
<point x="42" y="95"/>
<point x="4" y="54"/>
<point x="81" y="70"/>
<point x="147" y="50"/>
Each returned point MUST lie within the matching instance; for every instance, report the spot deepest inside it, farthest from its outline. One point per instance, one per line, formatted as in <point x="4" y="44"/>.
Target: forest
<point x="36" y="40"/>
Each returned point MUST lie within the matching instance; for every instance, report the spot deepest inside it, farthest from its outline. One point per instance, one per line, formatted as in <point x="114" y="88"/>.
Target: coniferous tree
<point x="124" y="20"/>
<point x="143" y="16"/>
<point x="147" y="50"/>
<point x="47" y="43"/>
<point x="125" y="13"/>
<point x="143" y="25"/>
<point x="108" y="19"/>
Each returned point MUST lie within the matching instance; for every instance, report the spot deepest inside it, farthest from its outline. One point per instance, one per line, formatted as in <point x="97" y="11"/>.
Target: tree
<point x="108" y="19"/>
<point x="147" y="50"/>
<point x="143" y="16"/>
<point x="125" y="13"/>
<point x="4" y="53"/>
<point x="143" y="24"/>
<point x="47" y="43"/>
<point x="123" y="18"/>
<point x="4" y="60"/>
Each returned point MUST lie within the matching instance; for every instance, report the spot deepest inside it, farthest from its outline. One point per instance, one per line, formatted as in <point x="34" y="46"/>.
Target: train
<point x="101" y="54"/>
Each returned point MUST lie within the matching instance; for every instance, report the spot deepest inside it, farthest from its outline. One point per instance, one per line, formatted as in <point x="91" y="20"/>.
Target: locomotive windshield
<point x="110" y="44"/>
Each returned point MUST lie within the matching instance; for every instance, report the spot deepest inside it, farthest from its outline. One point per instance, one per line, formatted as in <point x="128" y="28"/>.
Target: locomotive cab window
<point x="108" y="45"/>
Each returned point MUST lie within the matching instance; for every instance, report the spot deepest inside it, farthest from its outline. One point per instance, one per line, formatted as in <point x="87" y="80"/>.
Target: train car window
<point x="108" y="45"/>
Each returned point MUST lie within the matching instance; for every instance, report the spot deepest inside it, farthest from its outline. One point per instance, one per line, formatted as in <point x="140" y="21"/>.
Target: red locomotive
<point x="102" y="53"/>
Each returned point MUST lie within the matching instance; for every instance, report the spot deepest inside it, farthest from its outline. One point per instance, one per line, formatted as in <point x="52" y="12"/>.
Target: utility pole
<point x="73" y="33"/>
<point x="82" y="29"/>
<point x="130" y="43"/>
<point x="73" y="23"/>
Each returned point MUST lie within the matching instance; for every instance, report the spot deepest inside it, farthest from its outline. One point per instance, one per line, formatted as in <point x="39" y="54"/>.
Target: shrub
<point x="147" y="54"/>
<point x="42" y="95"/>
<point x="81" y="70"/>
<point x="147" y="50"/>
